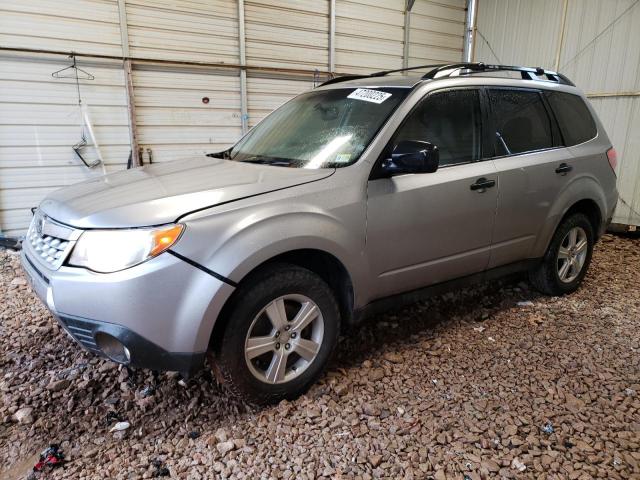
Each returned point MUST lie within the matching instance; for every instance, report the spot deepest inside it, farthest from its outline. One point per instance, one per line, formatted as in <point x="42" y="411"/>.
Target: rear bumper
<point x="162" y="311"/>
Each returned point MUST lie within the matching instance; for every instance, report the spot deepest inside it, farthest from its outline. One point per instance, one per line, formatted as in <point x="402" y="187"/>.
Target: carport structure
<point x="174" y="78"/>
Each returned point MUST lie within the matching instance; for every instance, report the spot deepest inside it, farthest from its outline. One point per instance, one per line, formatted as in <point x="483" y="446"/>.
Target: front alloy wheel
<point x="284" y="339"/>
<point x="279" y="332"/>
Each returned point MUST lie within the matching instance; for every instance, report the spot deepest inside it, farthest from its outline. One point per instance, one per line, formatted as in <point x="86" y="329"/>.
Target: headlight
<point x="112" y="250"/>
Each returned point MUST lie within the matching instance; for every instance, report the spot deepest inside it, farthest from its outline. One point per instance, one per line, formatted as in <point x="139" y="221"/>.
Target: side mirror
<point x="411" y="156"/>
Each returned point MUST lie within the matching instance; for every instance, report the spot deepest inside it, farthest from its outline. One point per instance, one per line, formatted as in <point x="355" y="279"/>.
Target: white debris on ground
<point x="420" y="392"/>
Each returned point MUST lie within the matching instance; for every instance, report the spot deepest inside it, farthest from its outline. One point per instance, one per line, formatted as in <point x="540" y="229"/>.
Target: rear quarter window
<point x="575" y="120"/>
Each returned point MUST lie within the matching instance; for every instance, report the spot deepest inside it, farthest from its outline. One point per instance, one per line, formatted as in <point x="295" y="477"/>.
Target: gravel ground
<point x="469" y="384"/>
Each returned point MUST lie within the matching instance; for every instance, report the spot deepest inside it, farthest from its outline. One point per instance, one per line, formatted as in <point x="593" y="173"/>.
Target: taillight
<point x="612" y="156"/>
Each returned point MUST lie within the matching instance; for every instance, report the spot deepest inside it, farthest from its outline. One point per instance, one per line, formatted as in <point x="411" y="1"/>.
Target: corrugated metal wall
<point x="39" y="120"/>
<point x="39" y="115"/>
<point x="599" y="51"/>
<point x="268" y="93"/>
<point x="369" y="35"/>
<point x="205" y="31"/>
<point x="283" y="34"/>
<point x="287" y="33"/>
<point x="89" y="26"/>
<point x="437" y="31"/>
<point x="172" y="118"/>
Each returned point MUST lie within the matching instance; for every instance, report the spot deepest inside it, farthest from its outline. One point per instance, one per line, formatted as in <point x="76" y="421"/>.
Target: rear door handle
<point x="482" y="184"/>
<point x="564" y="168"/>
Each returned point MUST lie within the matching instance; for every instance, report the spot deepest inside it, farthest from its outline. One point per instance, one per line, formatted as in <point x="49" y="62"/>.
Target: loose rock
<point x="59" y="385"/>
<point x="225" y="447"/>
<point x="393" y="357"/>
<point x="24" y="415"/>
<point x="426" y="396"/>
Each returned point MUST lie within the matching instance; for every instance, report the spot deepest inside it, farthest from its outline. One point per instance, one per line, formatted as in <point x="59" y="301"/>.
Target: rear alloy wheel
<point x="280" y="330"/>
<point x="572" y="254"/>
<point x="567" y="259"/>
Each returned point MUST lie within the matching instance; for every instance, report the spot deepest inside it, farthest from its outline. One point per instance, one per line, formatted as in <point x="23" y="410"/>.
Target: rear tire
<point x="567" y="259"/>
<point x="279" y="335"/>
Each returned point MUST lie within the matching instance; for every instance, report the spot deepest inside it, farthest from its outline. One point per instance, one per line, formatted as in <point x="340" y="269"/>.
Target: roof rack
<point x="465" y="68"/>
<point x="381" y="73"/>
<point x="527" y="73"/>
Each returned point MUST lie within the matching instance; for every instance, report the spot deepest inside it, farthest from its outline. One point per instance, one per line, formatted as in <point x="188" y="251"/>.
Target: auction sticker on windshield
<point x="367" y="95"/>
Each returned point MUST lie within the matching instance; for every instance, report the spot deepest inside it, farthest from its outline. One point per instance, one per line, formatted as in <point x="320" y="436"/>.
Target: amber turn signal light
<point x="163" y="239"/>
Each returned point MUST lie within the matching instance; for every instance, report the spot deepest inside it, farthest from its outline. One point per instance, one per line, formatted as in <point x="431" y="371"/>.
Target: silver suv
<point x="365" y="193"/>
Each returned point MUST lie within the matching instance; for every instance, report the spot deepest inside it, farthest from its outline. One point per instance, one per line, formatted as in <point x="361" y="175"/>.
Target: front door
<point x="427" y="228"/>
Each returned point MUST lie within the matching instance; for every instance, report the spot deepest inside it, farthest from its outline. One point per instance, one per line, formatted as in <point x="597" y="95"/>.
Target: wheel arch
<point x="588" y="207"/>
<point x="584" y="194"/>
<point x="324" y="264"/>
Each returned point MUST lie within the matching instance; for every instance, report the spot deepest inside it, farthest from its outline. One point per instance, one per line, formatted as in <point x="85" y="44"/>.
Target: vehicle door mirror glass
<point x="412" y="156"/>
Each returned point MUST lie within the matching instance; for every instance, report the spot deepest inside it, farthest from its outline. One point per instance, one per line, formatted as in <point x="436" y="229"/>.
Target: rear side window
<point x="576" y="122"/>
<point x="521" y="121"/>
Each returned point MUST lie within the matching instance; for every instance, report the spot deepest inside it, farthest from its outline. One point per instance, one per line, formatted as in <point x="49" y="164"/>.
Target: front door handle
<point x="564" y="168"/>
<point x="482" y="184"/>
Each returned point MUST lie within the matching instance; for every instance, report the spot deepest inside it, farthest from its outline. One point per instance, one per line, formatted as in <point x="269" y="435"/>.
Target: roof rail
<point x="381" y="73"/>
<point x="465" y="68"/>
<point x="343" y="78"/>
<point x="527" y="73"/>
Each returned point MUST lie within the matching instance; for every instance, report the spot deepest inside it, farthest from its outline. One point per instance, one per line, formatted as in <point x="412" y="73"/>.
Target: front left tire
<point x="279" y="334"/>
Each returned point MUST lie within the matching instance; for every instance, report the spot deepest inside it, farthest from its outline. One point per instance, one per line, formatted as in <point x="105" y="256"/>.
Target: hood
<point x="157" y="194"/>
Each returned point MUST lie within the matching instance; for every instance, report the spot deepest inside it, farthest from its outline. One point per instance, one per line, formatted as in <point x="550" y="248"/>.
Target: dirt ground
<point x="493" y="382"/>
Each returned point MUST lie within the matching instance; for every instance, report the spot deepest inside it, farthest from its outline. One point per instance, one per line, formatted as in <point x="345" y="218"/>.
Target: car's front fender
<point x="233" y="243"/>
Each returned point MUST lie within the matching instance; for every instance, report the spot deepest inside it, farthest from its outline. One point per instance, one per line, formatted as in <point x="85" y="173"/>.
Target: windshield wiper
<point x="224" y="154"/>
<point x="277" y="161"/>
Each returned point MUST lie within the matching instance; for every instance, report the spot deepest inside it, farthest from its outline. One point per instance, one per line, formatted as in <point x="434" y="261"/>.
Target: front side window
<point x="319" y="129"/>
<point x="449" y="120"/>
<point x="574" y="118"/>
<point x="521" y="121"/>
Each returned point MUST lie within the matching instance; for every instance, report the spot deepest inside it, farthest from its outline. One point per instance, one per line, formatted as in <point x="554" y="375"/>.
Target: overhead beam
<point x="128" y="79"/>
<point x="244" y="108"/>
<point x="332" y="36"/>
<point x="159" y="61"/>
<point x="563" y="26"/>
<point x="470" y="31"/>
<point x="613" y="94"/>
<point x="407" y="34"/>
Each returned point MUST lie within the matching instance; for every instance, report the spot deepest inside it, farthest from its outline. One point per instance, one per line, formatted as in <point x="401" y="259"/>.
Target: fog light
<point x="113" y="348"/>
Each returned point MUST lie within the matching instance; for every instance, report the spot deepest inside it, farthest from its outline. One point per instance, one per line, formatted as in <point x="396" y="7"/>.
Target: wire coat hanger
<point x="76" y="69"/>
<point x="84" y="113"/>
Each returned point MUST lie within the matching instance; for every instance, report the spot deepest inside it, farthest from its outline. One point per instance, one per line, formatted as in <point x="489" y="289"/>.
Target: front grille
<point x="49" y="241"/>
<point x="82" y="332"/>
<point x="50" y="249"/>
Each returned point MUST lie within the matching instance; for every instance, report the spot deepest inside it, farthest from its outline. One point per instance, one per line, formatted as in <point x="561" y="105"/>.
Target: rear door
<point x="533" y="168"/>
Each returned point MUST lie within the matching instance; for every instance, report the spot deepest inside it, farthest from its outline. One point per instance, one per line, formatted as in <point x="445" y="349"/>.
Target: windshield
<point x="319" y="129"/>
